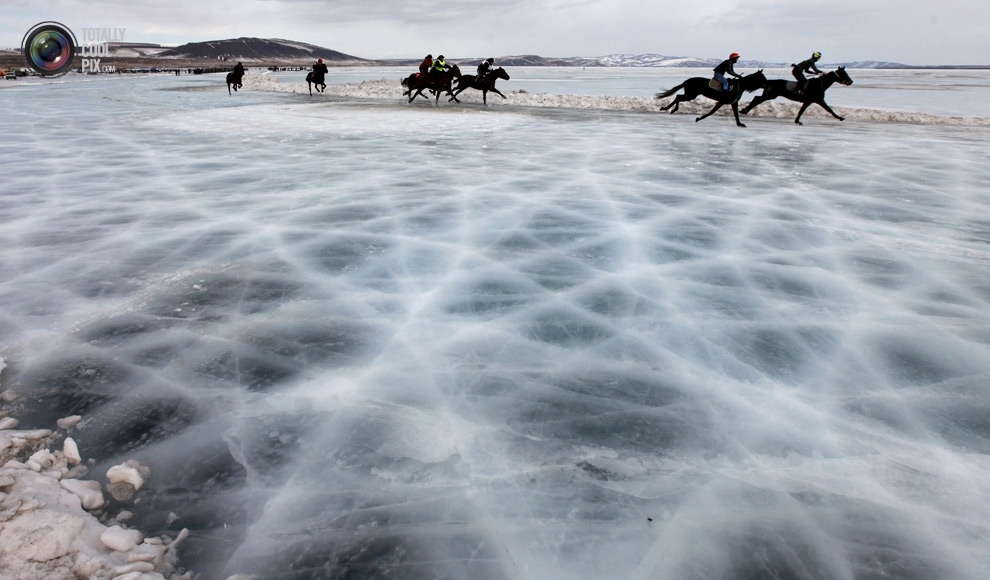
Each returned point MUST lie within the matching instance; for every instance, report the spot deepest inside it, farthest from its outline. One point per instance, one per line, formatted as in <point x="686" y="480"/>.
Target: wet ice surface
<point x="371" y="340"/>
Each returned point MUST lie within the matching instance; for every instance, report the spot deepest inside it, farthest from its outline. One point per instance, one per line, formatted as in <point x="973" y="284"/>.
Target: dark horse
<point x="695" y="86"/>
<point x="813" y="94"/>
<point x="318" y="79"/>
<point x="416" y="83"/>
<point x="487" y="84"/>
<point x="234" y="80"/>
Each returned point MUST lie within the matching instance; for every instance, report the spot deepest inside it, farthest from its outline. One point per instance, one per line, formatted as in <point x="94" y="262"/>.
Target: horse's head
<point x="500" y="73"/>
<point x="456" y="71"/>
<point x="844" y="77"/>
<point x="754" y="81"/>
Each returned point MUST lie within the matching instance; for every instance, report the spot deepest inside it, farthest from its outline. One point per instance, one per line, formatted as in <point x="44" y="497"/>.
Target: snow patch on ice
<point x="391" y="90"/>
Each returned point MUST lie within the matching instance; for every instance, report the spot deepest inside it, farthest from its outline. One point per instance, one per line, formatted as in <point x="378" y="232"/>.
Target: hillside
<point x="257" y="49"/>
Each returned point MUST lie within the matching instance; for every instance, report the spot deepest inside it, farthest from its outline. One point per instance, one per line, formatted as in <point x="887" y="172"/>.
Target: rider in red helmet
<point x="724" y="68"/>
<point x="320" y="68"/>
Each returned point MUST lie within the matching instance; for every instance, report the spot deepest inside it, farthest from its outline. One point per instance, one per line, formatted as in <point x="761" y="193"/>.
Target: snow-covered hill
<point x="256" y="49"/>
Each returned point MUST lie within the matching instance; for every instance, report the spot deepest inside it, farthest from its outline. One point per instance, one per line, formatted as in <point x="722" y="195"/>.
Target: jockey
<point x="484" y="68"/>
<point x="320" y="68"/>
<point x="806" y="66"/>
<point x="724" y="68"/>
<point x="426" y="65"/>
<point x="239" y="69"/>
<point x="439" y="66"/>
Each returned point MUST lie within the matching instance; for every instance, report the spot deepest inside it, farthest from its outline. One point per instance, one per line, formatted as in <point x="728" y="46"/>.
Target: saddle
<point x="792" y="86"/>
<point x="715" y="84"/>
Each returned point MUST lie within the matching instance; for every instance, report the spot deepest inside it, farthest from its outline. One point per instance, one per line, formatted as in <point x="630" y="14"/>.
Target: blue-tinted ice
<point x="368" y="340"/>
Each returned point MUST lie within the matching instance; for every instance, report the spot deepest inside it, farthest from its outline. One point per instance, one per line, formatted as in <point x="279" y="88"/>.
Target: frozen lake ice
<point x="359" y="339"/>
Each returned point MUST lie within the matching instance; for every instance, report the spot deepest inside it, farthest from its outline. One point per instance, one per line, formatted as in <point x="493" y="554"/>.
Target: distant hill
<point x="278" y="49"/>
<point x="533" y="60"/>
<point x="257" y="49"/>
<point x="658" y="60"/>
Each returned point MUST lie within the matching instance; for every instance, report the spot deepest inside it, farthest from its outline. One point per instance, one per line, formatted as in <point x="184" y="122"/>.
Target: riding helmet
<point x="816" y="55"/>
<point x="734" y="55"/>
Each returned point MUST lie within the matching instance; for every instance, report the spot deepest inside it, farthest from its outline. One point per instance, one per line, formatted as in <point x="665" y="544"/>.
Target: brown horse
<point x="814" y="93"/>
<point x="697" y="86"/>
<point x="488" y="84"/>
<point x="416" y="83"/>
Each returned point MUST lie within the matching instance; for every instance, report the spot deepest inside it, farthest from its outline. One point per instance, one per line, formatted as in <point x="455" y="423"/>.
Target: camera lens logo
<point x="49" y="48"/>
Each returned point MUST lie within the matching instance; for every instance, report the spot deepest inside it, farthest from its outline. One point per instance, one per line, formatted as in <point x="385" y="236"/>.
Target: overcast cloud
<point x="907" y="31"/>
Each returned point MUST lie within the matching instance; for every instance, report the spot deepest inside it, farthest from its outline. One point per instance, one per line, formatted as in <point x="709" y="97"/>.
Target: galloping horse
<point x="437" y="83"/>
<point x="318" y="79"/>
<point x="234" y="80"/>
<point x="695" y="86"/>
<point x="487" y="84"/>
<point x="814" y="93"/>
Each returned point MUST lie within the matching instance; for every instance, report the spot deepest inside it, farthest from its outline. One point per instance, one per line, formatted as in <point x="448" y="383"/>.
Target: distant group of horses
<point x="452" y="83"/>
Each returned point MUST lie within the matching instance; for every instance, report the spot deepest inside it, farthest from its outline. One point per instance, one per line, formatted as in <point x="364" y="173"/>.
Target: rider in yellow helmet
<point x="806" y="66"/>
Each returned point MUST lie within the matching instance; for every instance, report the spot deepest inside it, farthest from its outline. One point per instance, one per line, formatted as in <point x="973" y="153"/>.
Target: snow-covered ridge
<point x="391" y="90"/>
<point x="659" y="60"/>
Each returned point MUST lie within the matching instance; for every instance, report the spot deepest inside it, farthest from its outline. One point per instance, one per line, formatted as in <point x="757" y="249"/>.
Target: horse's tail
<point x="666" y="94"/>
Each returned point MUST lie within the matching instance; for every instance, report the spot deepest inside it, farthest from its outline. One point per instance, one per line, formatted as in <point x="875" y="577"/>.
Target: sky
<point x="906" y="31"/>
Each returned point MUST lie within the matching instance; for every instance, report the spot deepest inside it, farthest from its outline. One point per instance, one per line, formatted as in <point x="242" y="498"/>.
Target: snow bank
<point x="391" y="90"/>
<point x="45" y="528"/>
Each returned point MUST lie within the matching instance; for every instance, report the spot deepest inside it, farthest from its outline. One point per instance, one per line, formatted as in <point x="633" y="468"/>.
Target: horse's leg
<point x="735" y="111"/>
<point x="801" y="112"/>
<point x="497" y="92"/>
<point x="757" y="101"/>
<point x="677" y="102"/>
<point x="821" y="102"/>
<point x="717" y="106"/>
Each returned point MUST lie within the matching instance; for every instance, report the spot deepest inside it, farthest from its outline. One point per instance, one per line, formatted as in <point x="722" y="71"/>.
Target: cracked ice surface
<point x="368" y="340"/>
